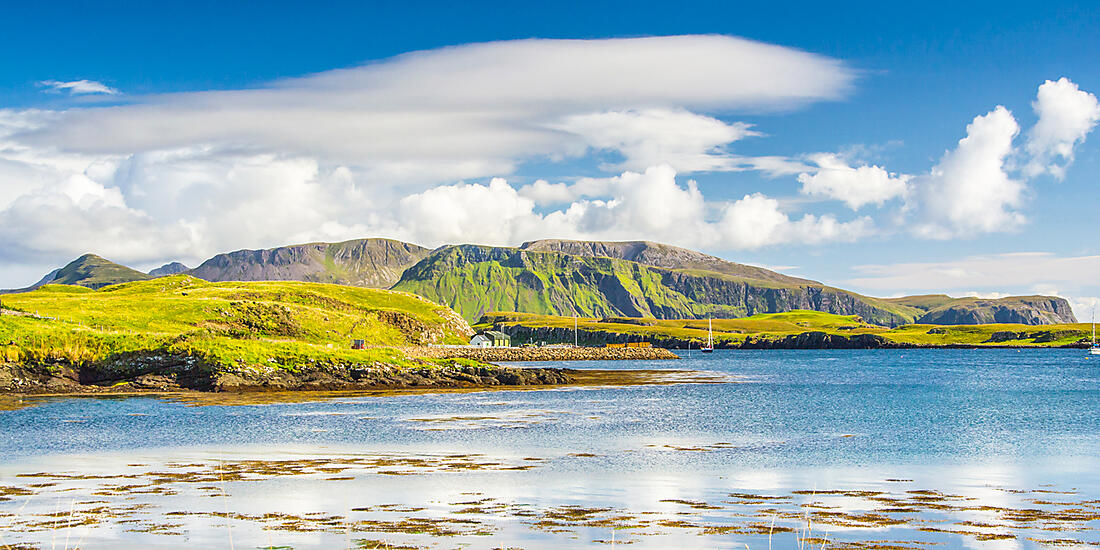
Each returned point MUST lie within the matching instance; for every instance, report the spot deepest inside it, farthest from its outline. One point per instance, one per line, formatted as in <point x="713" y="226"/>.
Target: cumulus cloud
<point x="856" y="186"/>
<point x="647" y="205"/>
<point x="1066" y="115"/>
<point x="755" y="221"/>
<point x="970" y="191"/>
<point x="79" y="87"/>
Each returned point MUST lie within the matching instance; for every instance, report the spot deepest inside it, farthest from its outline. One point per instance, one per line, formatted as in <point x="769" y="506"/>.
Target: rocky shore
<point x="805" y="340"/>
<point x="167" y="374"/>
<point x="540" y="354"/>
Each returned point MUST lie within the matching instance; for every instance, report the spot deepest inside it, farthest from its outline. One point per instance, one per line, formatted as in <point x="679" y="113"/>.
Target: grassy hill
<point x="93" y="272"/>
<point x="775" y="327"/>
<point x="225" y="325"/>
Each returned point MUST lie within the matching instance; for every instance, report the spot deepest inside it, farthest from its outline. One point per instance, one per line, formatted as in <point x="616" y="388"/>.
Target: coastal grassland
<point x="777" y="326"/>
<point x="725" y="330"/>
<point x="227" y="324"/>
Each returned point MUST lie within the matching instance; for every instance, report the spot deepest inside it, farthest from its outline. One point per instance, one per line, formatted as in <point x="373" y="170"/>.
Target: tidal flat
<point x="836" y="449"/>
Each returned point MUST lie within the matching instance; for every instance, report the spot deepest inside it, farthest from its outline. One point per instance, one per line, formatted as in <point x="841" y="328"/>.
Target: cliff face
<point x="659" y="255"/>
<point x="376" y="263"/>
<point x="1027" y="310"/>
<point x="477" y="279"/>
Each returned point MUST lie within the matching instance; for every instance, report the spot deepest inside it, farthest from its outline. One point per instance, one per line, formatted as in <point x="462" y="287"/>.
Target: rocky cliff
<point x="659" y="255"/>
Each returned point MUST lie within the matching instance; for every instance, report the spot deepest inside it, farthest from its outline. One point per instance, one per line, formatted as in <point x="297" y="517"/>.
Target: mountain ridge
<point x="566" y="277"/>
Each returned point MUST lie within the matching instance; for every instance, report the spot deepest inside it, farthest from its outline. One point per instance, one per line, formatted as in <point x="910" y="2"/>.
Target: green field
<point x="774" y="326"/>
<point x="227" y="325"/>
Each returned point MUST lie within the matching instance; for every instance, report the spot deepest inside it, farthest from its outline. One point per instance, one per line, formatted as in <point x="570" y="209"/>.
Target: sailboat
<point x="710" y="338"/>
<point x="1094" y="349"/>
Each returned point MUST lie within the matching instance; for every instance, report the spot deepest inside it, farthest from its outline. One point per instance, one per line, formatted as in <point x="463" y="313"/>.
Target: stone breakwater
<point x="490" y="355"/>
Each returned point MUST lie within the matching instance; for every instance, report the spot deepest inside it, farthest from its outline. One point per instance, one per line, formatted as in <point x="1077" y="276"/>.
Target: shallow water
<point x="862" y="449"/>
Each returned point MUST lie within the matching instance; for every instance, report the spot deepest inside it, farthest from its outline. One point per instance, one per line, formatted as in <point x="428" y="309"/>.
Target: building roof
<point x="496" y="335"/>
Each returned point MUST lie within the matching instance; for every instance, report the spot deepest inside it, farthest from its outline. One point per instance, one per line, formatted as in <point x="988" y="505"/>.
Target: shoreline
<point x="536" y="354"/>
<point x="572" y="378"/>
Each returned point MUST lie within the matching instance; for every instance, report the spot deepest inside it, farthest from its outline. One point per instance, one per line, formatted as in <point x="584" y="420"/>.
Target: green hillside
<point x="226" y="325"/>
<point x="94" y="272"/>
<point x="477" y="279"/>
<point x="775" y="327"/>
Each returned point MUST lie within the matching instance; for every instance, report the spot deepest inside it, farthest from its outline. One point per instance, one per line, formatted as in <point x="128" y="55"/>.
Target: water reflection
<point x="934" y="449"/>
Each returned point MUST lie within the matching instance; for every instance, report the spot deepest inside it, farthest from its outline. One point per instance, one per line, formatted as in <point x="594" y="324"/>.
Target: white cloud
<point x="481" y="103"/>
<point x="990" y="295"/>
<point x="1066" y="115"/>
<point x="755" y="221"/>
<point x="970" y="192"/>
<point x="855" y="186"/>
<point x="484" y="214"/>
<point x="635" y="205"/>
<point x="546" y="193"/>
<point x="686" y="141"/>
<point x="79" y="87"/>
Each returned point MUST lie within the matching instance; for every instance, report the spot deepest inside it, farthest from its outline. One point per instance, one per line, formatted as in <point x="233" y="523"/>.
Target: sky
<point x="889" y="150"/>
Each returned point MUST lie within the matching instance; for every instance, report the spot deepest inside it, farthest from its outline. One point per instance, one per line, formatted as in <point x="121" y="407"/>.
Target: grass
<point x="779" y="325"/>
<point x="232" y="324"/>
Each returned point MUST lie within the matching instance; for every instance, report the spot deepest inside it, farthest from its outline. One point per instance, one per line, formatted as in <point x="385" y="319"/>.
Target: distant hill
<point x="95" y="272"/>
<point x="940" y="309"/>
<point x="174" y="268"/>
<point x="374" y="263"/>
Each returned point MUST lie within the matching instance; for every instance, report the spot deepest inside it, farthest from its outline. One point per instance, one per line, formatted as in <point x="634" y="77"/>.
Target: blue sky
<point x="913" y="79"/>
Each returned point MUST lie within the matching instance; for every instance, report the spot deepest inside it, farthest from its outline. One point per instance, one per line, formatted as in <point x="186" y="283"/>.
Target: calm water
<point x="925" y="449"/>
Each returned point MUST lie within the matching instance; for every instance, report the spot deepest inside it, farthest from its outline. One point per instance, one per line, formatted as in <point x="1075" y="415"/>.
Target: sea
<point x="861" y="449"/>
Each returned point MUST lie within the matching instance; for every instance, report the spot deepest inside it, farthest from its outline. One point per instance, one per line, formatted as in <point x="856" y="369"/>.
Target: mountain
<point x="376" y="263"/>
<point x="940" y="309"/>
<point x="643" y="279"/>
<point x="95" y="272"/>
<point x="475" y="280"/>
<point x="174" y="268"/>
